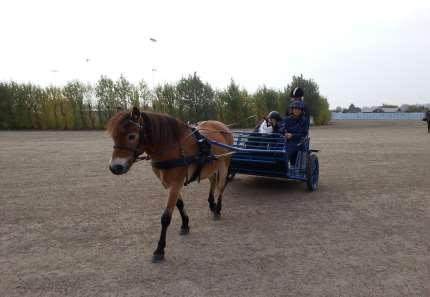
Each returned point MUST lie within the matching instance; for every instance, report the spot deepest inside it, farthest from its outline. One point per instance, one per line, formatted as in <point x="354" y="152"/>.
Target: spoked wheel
<point x="312" y="172"/>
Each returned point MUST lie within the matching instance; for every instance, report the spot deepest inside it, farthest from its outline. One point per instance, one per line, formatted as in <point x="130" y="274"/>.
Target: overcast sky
<point x="366" y="52"/>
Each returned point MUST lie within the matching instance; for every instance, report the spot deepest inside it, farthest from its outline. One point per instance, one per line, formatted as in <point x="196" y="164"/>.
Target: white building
<point x="368" y="109"/>
<point x="390" y="109"/>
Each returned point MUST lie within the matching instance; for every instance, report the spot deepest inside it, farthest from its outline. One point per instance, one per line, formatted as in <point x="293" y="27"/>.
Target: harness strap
<point x="169" y="164"/>
<point x="202" y="157"/>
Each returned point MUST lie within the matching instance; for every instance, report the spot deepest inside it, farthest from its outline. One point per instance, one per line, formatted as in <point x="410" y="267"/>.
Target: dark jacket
<point x="299" y="127"/>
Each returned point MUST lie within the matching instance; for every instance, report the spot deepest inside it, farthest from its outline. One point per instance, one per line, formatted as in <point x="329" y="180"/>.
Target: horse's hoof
<point x="157" y="258"/>
<point x="217" y="216"/>
<point x="184" y="231"/>
<point x="212" y="207"/>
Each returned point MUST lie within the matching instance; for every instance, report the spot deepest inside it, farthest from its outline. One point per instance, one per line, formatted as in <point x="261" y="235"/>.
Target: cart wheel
<point x="312" y="172"/>
<point x="230" y="176"/>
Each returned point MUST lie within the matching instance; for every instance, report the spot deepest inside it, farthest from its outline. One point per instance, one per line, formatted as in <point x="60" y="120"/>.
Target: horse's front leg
<point x="165" y="222"/>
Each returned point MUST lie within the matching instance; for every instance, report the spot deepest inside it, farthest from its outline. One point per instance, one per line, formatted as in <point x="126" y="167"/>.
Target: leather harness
<point x="202" y="157"/>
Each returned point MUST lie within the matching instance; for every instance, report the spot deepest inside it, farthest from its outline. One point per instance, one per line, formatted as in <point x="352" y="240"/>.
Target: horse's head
<point x="127" y="131"/>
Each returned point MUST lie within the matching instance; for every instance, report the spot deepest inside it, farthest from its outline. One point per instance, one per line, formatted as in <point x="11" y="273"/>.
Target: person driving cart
<point x="295" y="128"/>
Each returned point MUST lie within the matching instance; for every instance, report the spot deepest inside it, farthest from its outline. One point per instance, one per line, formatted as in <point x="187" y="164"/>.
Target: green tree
<point x="107" y="103"/>
<point x="267" y="99"/>
<point x="21" y="93"/>
<point x="416" y="108"/>
<point x="235" y="106"/>
<point x="75" y="93"/>
<point x="53" y="104"/>
<point x="353" y="109"/>
<point x="166" y="99"/>
<point x="6" y="107"/>
<point x="324" y="114"/>
<point x="81" y="106"/>
<point x="124" y="93"/>
<point x="143" y="95"/>
<point x="195" y="99"/>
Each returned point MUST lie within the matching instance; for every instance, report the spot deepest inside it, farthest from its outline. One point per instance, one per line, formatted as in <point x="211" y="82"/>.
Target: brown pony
<point x="165" y="138"/>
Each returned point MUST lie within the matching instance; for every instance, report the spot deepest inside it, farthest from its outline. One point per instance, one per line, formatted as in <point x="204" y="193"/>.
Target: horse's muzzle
<point x="118" y="169"/>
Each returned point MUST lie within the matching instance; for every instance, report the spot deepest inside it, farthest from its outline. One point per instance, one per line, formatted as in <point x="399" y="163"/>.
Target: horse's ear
<point x="135" y="113"/>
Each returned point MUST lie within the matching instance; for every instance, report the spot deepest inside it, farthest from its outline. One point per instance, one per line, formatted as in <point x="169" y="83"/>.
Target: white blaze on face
<point x="119" y="161"/>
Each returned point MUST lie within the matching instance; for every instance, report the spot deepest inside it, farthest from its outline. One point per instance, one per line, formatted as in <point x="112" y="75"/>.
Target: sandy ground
<point x="68" y="227"/>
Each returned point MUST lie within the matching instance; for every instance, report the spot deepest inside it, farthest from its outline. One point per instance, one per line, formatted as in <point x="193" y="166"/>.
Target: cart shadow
<point x="254" y="188"/>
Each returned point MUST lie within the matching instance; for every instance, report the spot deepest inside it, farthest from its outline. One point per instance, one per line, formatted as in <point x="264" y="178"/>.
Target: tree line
<point x="78" y="105"/>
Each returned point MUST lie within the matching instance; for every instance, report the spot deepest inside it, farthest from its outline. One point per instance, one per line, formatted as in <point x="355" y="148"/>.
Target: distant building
<point x="404" y="107"/>
<point x="390" y="109"/>
<point x="380" y="109"/>
<point x="368" y="109"/>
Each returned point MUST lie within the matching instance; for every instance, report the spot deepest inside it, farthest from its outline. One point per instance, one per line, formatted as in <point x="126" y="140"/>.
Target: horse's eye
<point x="131" y="137"/>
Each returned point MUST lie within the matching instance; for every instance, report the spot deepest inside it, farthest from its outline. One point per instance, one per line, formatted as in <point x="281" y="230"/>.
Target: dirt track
<point x="68" y="227"/>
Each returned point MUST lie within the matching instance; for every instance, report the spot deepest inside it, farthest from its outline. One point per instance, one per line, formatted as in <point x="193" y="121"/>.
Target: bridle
<point x="142" y="139"/>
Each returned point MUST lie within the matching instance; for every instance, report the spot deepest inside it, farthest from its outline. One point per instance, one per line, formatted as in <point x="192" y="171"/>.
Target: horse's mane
<point x="159" y="128"/>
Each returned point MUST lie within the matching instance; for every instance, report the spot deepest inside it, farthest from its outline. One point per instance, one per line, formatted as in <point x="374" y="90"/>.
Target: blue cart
<point x="265" y="154"/>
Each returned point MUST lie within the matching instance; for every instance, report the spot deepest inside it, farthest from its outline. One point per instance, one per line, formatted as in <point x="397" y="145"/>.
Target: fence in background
<point x="378" y="116"/>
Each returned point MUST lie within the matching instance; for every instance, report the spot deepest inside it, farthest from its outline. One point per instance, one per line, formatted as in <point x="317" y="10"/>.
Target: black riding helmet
<point x="297" y="93"/>
<point x="275" y="115"/>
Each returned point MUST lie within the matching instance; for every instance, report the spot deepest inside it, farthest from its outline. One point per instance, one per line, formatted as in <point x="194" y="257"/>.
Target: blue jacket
<point x="299" y="127"/>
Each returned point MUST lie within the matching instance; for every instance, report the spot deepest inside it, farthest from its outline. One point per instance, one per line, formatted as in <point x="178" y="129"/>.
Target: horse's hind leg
<point x="185" y="229"/>
<point x="211" y="198"/>
<point x="221" y="184"/>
